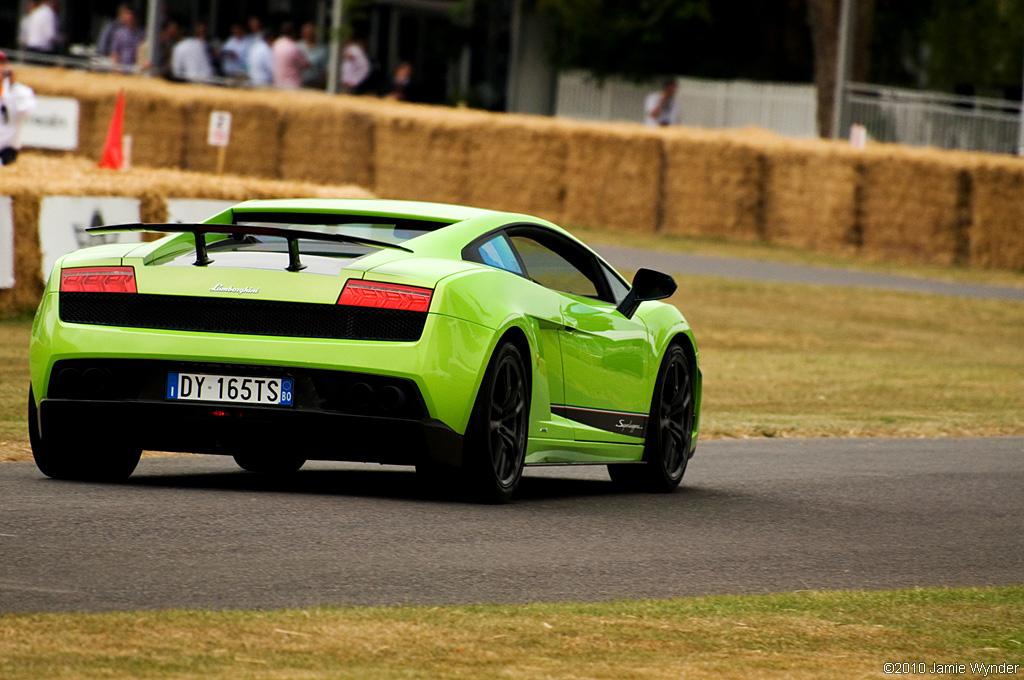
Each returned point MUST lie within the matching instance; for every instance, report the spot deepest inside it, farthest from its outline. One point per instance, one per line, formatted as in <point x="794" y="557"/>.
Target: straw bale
<point x="997" y="232"/>
<point x="518" y="164"/>
<point x="915" y="207"/>
<point x="423" y="154"/>
<point x="811" y="198"/>
<point x="28" y="274"/>
<point x="255" y="146"/>
<point x="329" y="144"/>
<point x="714" y="187"/>
<point x="613" y="177"/>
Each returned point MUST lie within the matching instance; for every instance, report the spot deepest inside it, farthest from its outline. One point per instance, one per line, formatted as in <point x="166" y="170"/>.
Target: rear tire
<point x="88" y="462"/>
<point x="269" y="464"/>
<point x="669" y="430"/>
<point x="498" y="428"/>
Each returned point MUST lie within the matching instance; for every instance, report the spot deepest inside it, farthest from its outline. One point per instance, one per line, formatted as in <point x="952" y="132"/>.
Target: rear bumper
<point x="230" y="430"/>
<point x="336" y="415"/>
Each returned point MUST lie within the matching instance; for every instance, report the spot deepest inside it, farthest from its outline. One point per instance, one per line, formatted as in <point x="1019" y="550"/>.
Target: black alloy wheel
<point x="668" y="445"/>
<point x="497" y="435"/>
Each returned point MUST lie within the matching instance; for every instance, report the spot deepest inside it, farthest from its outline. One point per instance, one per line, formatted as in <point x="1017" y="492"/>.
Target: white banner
<point x="63" y="221"/>
<point x="6" y="242"/>
<point x="53" y="124"/>
<point x="193" y="210"/>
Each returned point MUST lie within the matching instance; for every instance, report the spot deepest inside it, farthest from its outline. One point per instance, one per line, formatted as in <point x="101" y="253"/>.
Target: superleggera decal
<point x="631" y="424"/>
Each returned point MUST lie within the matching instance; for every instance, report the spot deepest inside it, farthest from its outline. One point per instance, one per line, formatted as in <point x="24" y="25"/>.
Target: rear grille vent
<point x="241" y="317"/>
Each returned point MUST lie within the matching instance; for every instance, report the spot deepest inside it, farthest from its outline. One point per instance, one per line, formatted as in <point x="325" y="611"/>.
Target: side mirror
<point x="647" y="285"/>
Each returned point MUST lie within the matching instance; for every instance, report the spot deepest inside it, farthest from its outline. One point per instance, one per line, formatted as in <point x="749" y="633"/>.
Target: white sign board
<point x="220" y="129"/>
<point x="6" y="242"/>
<point x="193" y="210"/>
<point x="63" y="221"/>
<point x="52" y="125"/>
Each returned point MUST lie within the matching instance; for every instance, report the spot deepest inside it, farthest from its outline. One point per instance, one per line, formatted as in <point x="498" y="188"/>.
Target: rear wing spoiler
<point x="291" y="233"/>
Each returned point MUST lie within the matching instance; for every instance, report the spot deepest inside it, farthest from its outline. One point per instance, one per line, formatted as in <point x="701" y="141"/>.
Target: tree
<point x="824" y="18"/>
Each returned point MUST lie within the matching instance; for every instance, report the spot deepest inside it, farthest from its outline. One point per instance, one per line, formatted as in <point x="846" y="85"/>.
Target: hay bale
<point x="913" y="206"/>
<point x="328" y="142"/>
<point x="997" y="231"/>
<point x="811" y="198"/>
<point x="422" y="154"/>
<point x="255" y="135"/>
<point x="613" y="177"/>
<point x="714" y="187"/>
<point x="518" y="164"/>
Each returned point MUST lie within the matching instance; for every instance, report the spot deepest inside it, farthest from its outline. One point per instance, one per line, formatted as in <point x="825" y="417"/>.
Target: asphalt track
<point x="752" y="516"/>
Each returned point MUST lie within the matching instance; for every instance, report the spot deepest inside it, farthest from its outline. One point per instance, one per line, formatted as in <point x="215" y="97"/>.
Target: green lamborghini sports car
<point x="466" y="342"/>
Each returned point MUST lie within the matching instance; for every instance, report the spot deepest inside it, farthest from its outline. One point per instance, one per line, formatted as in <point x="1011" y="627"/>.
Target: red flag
<point x="113" y="151"/>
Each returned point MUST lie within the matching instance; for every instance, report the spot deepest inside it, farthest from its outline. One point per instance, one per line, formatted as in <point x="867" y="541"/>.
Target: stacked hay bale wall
<point x="997" y="225"/>
<point x="613" y="177"/>
<point x="887" y="202"/>
<point x="713" y="187"/>
<point x="34" y="177"/>
<point x="518" y="163"/>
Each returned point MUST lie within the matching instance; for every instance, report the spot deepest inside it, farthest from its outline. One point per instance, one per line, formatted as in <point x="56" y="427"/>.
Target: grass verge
<point x="791" y="360"/>
<point x="801" y="635"/>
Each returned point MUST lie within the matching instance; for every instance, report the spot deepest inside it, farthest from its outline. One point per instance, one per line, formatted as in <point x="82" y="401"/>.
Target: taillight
<point x="385" y="296"/>
<point x="98" y="280"/>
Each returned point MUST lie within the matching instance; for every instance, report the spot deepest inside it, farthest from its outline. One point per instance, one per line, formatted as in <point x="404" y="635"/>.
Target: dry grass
<point x="807" y="635"/>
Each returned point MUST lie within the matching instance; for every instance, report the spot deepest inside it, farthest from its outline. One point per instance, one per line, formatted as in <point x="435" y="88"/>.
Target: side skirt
<point x="561" y="452"/>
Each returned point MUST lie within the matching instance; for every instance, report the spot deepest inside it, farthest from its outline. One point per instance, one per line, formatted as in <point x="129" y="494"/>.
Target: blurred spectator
<point x="107" y="32"/>
<point x="124" y="44"/>
<point x="191" y="59"/>
<point x="234" y="52"/>
<point x="401" y="83"/>
<point x="289" y="59"/>
<point x="661" y="107"/>
<point x="315" y="74"/>
<point x="41" y="34"/>
<point x="168" y="38"/>
<point x="24" y="24"/>
<point x="355" y="67"/>
<point x="17" y="101"/>
<point x="260" y="62"/>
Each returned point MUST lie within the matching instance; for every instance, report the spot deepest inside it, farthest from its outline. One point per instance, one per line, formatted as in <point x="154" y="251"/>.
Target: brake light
<point x="98" y="280"/>
<point x="385" y="296"/>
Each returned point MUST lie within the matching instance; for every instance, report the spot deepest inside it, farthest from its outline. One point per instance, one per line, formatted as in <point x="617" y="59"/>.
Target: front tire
<point x="86" y="462"/>
<point x="669" y="430"/>
<point x="498" y="428"/>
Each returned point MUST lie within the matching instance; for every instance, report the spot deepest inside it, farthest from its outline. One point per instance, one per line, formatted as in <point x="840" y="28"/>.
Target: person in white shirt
<point x="661" y="108"/>
<point x="17" y="101"/>
<point x="41" y="29"/>
<point x="234" y="52"/>
<point x="261" y="62"/>
<point x="190" y="58"/>
<point x="355" y="66"/>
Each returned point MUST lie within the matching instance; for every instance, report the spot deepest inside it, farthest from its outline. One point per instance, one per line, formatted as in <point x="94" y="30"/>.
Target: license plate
<point x="229" y="388"/>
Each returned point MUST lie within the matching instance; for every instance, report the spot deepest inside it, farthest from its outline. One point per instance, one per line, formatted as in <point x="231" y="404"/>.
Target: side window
<point x="615" y="284"/>
<point x="551" y="270"/>
<point x="498" y="253"/>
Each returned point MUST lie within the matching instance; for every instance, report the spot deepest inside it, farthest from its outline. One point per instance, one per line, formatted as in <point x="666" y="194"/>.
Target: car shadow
<point x="384" y="483"/>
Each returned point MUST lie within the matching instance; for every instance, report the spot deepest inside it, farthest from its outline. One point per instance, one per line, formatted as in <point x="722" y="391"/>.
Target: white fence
<point x="934" y="119"/>
<point x="786" y="109"/>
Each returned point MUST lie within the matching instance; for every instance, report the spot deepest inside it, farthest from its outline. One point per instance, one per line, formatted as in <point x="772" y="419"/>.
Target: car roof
<point x="439" y="212"/>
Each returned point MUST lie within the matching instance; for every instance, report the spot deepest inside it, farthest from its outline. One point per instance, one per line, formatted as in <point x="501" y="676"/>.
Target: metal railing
<point x="933" y="119"/>
<point x="785" y="108"/>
